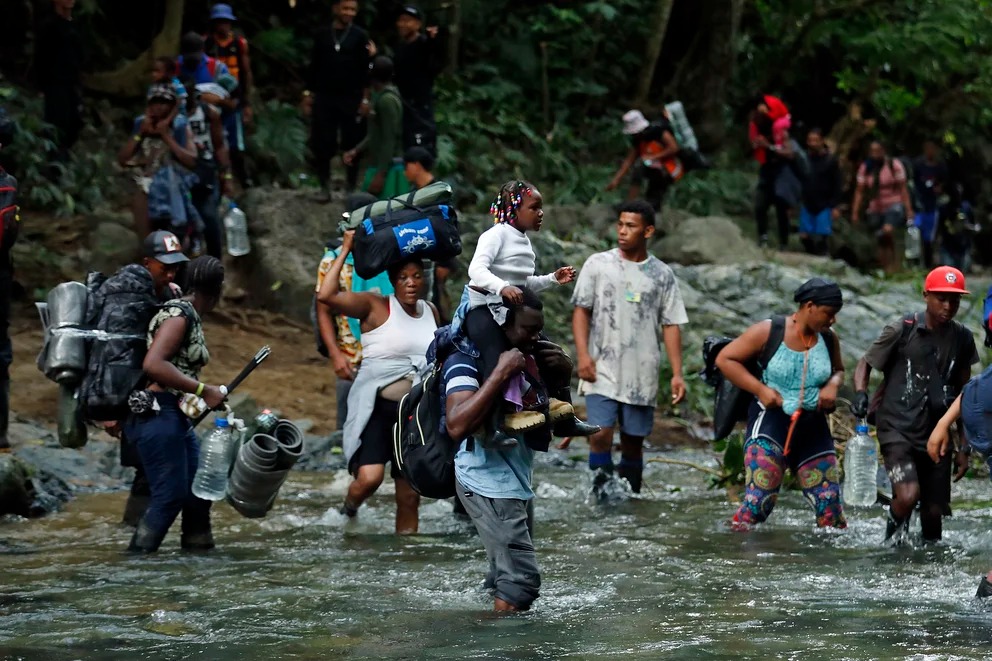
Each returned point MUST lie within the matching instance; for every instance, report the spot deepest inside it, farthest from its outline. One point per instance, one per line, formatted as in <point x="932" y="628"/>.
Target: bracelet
<point x="228" y="176"/>
<point x="137" y="137"/>
<point x="199" y="389"/>
<point x="365" y="102"/>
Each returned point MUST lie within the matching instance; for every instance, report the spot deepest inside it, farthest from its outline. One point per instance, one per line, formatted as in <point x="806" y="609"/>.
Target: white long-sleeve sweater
<point x="504" y="257"/>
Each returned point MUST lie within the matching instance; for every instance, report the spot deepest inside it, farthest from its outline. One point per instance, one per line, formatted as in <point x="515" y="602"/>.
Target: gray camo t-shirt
<point x="630" y="302"/>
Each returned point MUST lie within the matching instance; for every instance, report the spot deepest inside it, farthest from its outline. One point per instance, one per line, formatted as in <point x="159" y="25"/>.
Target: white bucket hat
<point x="634" y="122"/>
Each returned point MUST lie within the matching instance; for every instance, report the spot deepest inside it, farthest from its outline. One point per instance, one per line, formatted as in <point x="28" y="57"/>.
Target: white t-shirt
<point x="630" y="302"/>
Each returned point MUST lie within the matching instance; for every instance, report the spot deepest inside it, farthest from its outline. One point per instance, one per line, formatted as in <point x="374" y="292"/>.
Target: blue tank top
<point x="784" y="374"/>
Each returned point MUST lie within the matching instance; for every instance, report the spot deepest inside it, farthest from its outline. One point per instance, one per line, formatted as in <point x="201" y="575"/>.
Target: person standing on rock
<point x="340" y="336"/>
<point x="419" y="58"/>
<point x="768" y="132"/>
<point x="931" y="179"/>
<point x="622" y="298"/>
<point x="59" y="60"/>
<point x="10" y="221"/>
<point x="338" y="98"/>
<point x="167" y="445"/>
<point x="224" y="45"/>
<point x="822" y="190"/>
<point x="787" y="420"/>
<point x="925" y="359"/>
<point x="384" y="142"/>
<point x="396" y="332"/>
<point x="883" y="193"/>
<point x="653" y="156"/>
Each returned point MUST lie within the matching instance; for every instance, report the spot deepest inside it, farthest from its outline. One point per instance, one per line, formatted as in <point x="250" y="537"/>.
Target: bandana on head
<point x="820" y="292"/>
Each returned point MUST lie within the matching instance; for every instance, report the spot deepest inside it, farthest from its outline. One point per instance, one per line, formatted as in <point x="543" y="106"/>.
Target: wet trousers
<point x="169" y="451"/>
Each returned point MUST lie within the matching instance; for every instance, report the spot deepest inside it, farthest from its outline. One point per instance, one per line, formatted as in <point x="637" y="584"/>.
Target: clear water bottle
<point x="236" y="227"/>
<point x="216" y="452"/>
<point x="860" y="469"/>
<point x="913" y="247"/>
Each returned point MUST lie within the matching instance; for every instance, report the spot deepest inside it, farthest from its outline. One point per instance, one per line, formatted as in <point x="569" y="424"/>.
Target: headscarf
<point x="820" y="292"/>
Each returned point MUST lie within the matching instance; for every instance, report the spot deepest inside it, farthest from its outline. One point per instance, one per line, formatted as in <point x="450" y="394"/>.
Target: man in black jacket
<point x="822" y="189"/>
<point x="419" y="58"/>
<point x="339" y="79"/>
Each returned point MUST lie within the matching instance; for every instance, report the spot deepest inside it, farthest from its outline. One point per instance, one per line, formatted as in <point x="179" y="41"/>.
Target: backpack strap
<point x="830" y="339"/>
<point x="212" y="67"/>
<point x="775" y="337"/>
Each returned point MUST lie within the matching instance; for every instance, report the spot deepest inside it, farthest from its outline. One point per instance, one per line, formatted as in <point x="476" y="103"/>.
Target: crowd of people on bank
<point x="505" y="385"/>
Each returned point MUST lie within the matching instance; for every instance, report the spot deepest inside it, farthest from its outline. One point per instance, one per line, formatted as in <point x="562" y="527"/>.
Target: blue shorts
<point x="926" y="221"/>
<point x="821" y="224"/>
<point x="634" y="420"/>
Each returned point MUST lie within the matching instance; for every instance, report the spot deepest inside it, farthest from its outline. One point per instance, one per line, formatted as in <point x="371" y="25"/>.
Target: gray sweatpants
<point x="506" y="527"/>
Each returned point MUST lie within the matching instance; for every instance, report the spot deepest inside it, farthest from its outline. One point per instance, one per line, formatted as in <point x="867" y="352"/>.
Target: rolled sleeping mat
<point x="290" y="440"/>
<point x="261" y="468"/>
<point x="65" y="351"/>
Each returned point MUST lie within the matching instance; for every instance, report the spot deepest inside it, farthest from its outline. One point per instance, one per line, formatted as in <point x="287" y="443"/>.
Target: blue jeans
<point x="169" y="452"/>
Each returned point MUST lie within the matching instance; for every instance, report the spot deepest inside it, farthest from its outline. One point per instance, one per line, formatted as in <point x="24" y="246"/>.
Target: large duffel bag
<point x="405" y="230"/>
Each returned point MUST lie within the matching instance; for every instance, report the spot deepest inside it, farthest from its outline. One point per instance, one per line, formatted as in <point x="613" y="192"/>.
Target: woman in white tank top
<point x="396" y="333"/>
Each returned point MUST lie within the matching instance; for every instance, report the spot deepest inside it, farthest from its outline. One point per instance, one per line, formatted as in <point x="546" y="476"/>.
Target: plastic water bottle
<point x="216" y="453"/>
<point x="913" y="242"/>
<point x="236" y="227"/>
<point x="860" y="469"/>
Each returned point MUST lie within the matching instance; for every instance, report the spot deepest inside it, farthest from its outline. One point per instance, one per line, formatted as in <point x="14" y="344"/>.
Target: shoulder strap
<point x="212" y="66"/>
<point x="775" y="337"/>
<point x="830" y="339"/>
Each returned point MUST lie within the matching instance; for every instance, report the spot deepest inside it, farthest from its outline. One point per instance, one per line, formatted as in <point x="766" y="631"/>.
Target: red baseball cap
<point x="946" y="279"/>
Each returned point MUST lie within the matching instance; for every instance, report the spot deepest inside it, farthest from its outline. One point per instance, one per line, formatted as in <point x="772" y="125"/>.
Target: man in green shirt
<point x="383" y="145"/>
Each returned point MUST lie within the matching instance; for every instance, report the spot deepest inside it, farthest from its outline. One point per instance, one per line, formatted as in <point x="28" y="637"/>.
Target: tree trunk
<point x="132" y="78"/>
<point x="704" y="72"/>
<point x="662" y="12"/>
<point x="454" y="34"/>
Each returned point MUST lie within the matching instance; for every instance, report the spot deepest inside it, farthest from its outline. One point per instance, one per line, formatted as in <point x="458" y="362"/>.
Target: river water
<point x="659" y="576"/>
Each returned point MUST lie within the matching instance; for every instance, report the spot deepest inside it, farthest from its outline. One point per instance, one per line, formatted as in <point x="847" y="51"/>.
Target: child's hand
<point x="565" y="274"/>
<point x="512" y="295"/>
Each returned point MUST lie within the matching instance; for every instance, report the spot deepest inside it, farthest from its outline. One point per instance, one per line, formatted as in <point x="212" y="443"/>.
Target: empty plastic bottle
<point x="913" y="239"/>
<point x="236" y="227"/>
<point x="216" y="455"/>
<point x="860" y="469"/>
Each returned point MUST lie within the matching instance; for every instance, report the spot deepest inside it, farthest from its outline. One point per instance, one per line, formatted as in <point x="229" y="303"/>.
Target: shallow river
<point x="656" y="577"/>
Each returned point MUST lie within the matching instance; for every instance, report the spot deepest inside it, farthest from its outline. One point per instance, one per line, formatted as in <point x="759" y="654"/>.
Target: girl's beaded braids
<point x="508" y="200"/>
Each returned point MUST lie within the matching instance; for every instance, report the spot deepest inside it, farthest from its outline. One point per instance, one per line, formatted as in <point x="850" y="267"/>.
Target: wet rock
<point x="708" y="240"/>
<point x="288" y="230"/>
<point x="27" y="491"/>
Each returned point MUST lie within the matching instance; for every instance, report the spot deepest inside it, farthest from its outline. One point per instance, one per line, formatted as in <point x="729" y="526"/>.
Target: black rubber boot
<point x="349" y="510"/>
<point x="145" y="540"/>
<point x="896" y="531"/>
<point x="498" y="439"/>
<point x="137" y="500"/>
<point x="199" y="541"/>
<point x="571" y="426"/>
<point x="633" y="475"/>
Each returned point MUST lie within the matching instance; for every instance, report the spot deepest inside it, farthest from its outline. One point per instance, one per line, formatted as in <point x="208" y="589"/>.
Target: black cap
<point x="164" y="247"/>
<point x="412" y="10"/>
<point x="419" y="155"/>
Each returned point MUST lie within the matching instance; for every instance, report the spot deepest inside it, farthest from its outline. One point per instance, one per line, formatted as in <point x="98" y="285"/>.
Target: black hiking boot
<point x="145" y="540"/>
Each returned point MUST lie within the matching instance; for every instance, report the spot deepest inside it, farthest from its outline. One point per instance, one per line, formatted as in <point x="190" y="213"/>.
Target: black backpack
<point x="730" y="402"/>
<point x="422" y="450"/>
<point x="122" y="307"/>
